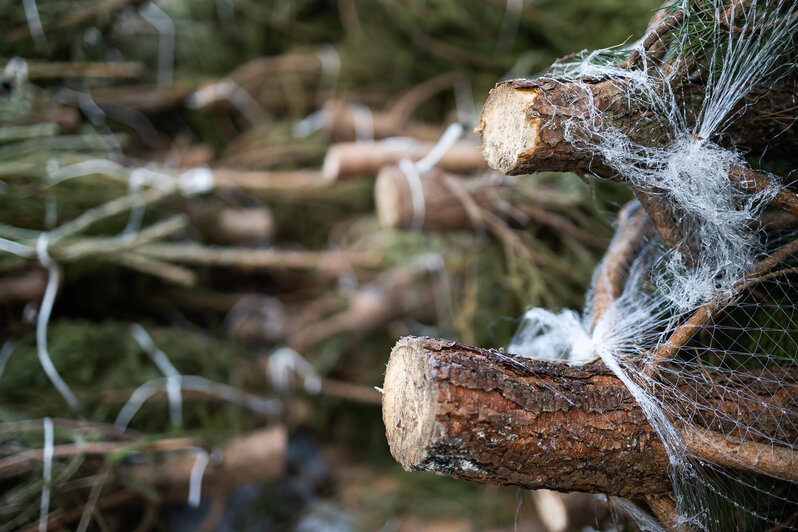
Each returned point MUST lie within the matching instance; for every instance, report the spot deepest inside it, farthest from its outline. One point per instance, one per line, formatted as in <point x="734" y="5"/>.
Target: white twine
<point x="136" y="401"/>
<point x="166" y="40"/>
<point x="363" y="120"/>
<point x="228" y="90"/>
<point x="201" y="461"/>
<point x="16" y="69"/>
<point x="173" y="377"/>
<point x="413" y="172"/>
<point x="86" y="168"/>
<point x="446" y="141"/>
<point x="285" y="364"/>
<point x="15" y="248"/>
<point x="96" y="116"/>
<point x="195" y="383"/>
<point x="34" y="22"/>
<point x="43" y="319"/>
<point x="417" y="200"/>
<point x="196" y="181"/>
<point x="643" y="520"/>
<point x="136" y="180"/>
<point x="310" y="124"/>
<point x="47" y="473"/>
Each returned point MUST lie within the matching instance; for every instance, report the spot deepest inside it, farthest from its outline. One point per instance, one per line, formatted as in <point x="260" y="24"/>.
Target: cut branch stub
<point x="489" y="417"/>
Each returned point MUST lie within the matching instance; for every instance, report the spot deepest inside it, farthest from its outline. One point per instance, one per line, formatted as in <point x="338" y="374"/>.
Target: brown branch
<point x="249" y="458"/>
<point x="753" y="182"/>
<point x="392" y="295"/>
<point x="17" y="463"/>
<point x="342" y="120"/>
<point x="350" y="160"/>
<point x="328" y="262"/>
<point x="660" y="25"/>
<point x="633" y="230"/>
<point x="735" y="453"/>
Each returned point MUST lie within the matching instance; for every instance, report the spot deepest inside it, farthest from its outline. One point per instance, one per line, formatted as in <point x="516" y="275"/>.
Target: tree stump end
<point x="408" y="404"/>
<point x="507" y="130"/>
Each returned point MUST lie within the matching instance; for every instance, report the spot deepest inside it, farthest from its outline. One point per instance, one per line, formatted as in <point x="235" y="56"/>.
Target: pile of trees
<point x="727" y="373"/>
<point x="203" y="222"/>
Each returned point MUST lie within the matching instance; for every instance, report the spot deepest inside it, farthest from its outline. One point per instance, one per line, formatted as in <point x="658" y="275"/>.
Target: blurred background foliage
<point x="121" y="85"/>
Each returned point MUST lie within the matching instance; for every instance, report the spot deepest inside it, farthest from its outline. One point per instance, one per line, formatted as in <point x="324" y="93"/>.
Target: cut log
<point x="423" y="203"/>
<point x="266" y="182"/>
<point x="437" y="200"/>
<point x="523" y="122"/>
<point x="364" y="159"/>
<point x="246" y="225"/>
<point x="490" y="417"/>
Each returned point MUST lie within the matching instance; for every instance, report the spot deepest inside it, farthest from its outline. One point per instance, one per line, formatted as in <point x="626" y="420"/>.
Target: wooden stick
<point x="268" y="182"/>
<point x="442" y="201"/>
<point x="364" y="159"/>
<point x="425" y="203"/>
<point x="244" y="225"/>
<point x="77" y="69"/>
<point x="327" y="261"/>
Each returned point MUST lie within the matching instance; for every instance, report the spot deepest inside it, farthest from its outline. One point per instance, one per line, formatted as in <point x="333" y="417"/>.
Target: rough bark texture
<point x="523" y="122"/>
<point x="489" y="417"/>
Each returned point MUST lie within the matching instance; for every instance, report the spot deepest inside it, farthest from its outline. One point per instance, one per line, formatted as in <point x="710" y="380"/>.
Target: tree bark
<point x="523" y="122"/>
<point x="490" y="417"/>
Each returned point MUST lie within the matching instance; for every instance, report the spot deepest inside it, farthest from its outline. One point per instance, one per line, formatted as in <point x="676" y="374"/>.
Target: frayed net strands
<point x="702" y="313"/>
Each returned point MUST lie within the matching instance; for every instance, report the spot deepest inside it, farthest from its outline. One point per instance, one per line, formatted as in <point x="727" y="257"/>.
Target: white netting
<point x="702" y="330"/>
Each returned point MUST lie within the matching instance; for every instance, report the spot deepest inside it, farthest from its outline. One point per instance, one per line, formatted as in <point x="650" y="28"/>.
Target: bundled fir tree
<point x="679" y="389"/>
